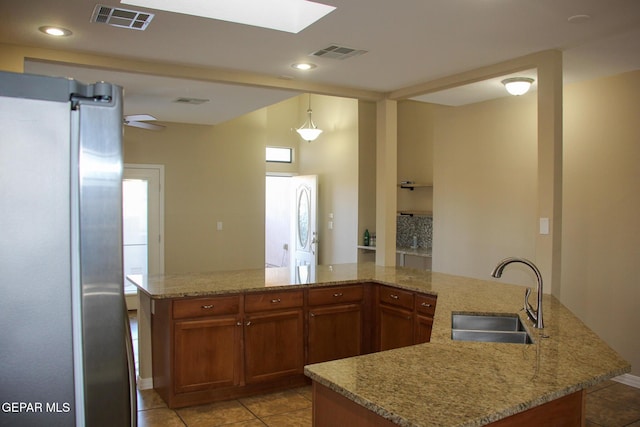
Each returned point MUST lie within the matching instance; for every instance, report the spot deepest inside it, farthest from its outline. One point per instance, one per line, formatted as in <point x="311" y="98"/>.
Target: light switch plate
<point x="544" y="225"/>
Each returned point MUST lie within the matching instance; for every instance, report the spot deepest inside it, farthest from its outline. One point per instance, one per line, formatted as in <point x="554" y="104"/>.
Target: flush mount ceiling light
<point x="517" y="85"/>
<point x="309" y="131"/>
<point x="291" y="16"/>
<point x="55" y="31"/>
<point x="303" y="66"/>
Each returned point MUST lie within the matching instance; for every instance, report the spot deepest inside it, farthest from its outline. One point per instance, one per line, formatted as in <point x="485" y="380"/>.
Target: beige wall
<point x="334" y="158"/>
<point x="485" y="192"/>
<point x="211" y="174"/>
<point x="217" y="173"/>
<point x="282" y="119"/>
<point x="601" y="209"/>
<point x="415" y="154"/>
<point x="367" y="175"/>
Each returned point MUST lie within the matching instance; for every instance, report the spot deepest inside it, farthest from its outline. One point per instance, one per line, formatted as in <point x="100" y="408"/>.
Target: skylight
<point x="291" y="16"/>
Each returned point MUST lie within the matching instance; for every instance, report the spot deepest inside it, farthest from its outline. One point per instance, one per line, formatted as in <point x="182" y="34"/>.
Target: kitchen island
<point x="443" y="382"/>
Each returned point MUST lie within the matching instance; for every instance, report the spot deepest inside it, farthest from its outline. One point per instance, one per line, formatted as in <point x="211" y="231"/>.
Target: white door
<point x="304" y="228"/>
<point x="142" y="214"/>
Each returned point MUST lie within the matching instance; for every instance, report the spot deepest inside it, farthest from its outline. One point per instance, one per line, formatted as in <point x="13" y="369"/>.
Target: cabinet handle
<point x="425" y="304"/>
<point x="394" y="296"/>
<point x="312" y="314"/>
<point x="275" y="301"/>
<point x="248" y="323"/>
<point x="338" y="294"/>
<point x="207" y="307"/>
<point x="239" y="323"/>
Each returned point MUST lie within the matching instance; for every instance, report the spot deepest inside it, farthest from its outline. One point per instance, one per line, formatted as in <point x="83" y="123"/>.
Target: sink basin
<point x="501" y="328"/>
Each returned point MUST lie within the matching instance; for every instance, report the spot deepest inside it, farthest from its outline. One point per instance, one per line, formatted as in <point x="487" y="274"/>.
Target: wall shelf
<point x="412" y="185"/>
<point x="415" y="213"/>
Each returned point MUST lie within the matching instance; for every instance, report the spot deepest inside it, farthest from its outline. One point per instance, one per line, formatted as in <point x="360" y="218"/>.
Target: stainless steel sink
<point x="502" y="328"/>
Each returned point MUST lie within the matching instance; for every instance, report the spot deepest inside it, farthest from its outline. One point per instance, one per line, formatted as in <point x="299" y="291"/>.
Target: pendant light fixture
<point x="309" y="131"/>
<point x="517" y="85"/>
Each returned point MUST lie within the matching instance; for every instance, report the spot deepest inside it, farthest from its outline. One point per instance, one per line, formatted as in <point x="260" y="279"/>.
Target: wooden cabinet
<point x="206" y="343"/>
<point x="395" y="318"/>
<point x="207" y="354"/>
<point x="425" y="310"/>
<point x="335" y="323"/>
<point x="229" y="346"/>
<point x="273" y="336"/>
<point x="403" y="317"/>
<point x="207" y="349"/>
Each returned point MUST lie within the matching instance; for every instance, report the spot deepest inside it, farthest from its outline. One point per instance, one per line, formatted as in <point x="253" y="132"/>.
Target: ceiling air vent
<point x="121" y="17"/>
<point x="338" y="52"/>
<point x="191" y="101"/>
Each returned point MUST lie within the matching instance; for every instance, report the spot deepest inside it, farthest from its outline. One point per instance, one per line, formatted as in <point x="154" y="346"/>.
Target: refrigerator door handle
<point x="132" y="372"/>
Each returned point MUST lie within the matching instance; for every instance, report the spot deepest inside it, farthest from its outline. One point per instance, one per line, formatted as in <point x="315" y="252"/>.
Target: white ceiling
<point x="408" y="42"/>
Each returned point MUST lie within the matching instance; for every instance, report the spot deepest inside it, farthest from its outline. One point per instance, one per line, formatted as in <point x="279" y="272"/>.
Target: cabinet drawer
<point x="203" y="307"/>
<point x="335" y="294"/>
<point x="396" y="297"/>
<point x="426" y="304"/>
<point x="272" y="301"/>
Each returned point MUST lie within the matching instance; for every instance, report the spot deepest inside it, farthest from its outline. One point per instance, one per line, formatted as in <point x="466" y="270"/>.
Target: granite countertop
<point x="444" y="382"/>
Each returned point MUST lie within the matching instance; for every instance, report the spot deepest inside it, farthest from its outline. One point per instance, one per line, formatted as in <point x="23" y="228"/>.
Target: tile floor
<point x="610" y="404"/>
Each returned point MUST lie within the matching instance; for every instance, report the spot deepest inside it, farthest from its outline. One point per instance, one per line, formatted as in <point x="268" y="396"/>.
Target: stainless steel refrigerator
<point x="65" y="348"/>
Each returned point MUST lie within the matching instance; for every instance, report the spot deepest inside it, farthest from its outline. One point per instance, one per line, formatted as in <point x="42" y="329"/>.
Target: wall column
<point x="386" y="177"/>
<point x="548" y="246"/>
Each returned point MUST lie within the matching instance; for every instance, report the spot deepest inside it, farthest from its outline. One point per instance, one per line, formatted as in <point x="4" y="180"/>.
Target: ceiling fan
<point x="141" y="121"/>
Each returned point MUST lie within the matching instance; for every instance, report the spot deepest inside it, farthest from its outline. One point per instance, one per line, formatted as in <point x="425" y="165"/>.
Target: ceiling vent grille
<point x="191" y="101"/>
<point x="122" y="18"/>
<point x="338" y="52"/>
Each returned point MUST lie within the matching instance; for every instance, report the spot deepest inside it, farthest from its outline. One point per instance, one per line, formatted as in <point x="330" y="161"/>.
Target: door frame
<point x="155" y="210"/>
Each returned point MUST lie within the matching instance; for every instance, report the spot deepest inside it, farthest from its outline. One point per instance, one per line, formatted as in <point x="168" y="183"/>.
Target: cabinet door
<point x="273" y="345"/>
<point x="423" y="328"/>
<point x="207" y="353"/>
<point x="335" y="332"/>
<point x="395" y="328"/>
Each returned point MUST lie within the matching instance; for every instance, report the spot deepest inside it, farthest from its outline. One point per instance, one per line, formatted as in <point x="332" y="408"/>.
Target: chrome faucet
<point x="534" y="315"/>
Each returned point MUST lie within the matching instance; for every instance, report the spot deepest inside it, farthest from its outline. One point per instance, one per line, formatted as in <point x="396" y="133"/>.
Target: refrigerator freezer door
<point x="36" y="362"/>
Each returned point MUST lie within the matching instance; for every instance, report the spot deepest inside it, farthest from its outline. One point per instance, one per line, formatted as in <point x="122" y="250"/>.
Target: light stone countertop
<point x="423" y="252"/>
<point x="444" y="382"/>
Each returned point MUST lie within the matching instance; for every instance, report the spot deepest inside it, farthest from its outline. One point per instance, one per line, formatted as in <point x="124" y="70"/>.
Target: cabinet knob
<point x="275" y="301"/>
<point x="338" y="294"/>
<point x="248" y="323"/>
<point x="239" y="323"/>
<point x="394" y="296"/>
<point x="312" y="314"/>
<point x="207" y="307"/>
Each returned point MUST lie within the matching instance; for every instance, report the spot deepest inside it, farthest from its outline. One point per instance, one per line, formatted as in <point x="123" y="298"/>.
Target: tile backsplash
<point x="408" y="226"/>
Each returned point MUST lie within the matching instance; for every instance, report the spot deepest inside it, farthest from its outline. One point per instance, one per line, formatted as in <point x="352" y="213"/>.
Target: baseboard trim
<point x="145" y="383"/>
<point x="628" y="379"/>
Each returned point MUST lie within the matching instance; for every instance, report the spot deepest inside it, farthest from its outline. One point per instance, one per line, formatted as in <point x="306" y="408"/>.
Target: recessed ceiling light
<point x="55" y="31"/>
<point x="303" y="66"/>
<point x="291" y="16"/>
